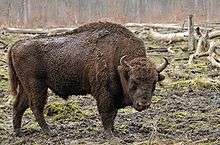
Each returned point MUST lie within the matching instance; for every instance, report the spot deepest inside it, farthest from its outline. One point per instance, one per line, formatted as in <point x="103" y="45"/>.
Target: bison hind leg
<point x="36" y="92"/>
<point x="38" y="99"/>
<point x="19" y="107"/>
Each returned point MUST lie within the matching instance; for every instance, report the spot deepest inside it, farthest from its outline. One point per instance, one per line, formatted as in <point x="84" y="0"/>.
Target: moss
<point x="62" y="112"/>
<point x="3" y="73"/>
<point x="123" y="128"/>
<point x="165" y="123"/>
<point x="128" y="110"/>
<point x="3" y="85"/>
<point x="199" y="67"/>
<point x="196" y="83"/>
<point x="32" y="125"/>
<point x="181" y="114"/>
<point x="12" y="38"/>
<point x="156" y="99"/>
<point x="92" y="129"/>
<point x="19" y="141"/>
<point x="217" y="111"/>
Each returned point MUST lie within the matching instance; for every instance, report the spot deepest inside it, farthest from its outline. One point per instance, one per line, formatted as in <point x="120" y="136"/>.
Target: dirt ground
<point x="185" y="108"/>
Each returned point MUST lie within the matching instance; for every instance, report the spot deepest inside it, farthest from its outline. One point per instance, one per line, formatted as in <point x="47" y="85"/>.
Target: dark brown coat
<point x="83" y="61"/>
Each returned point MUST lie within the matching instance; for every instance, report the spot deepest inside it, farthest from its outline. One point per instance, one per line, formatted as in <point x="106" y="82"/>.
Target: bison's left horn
<point x="123" y="61"/>
<point x="163" y="66"/>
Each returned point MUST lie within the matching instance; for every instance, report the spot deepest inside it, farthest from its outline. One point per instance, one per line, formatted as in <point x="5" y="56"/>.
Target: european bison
<point x="103" y="59"/>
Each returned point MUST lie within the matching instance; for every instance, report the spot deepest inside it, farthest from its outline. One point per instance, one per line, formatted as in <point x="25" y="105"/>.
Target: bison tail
<point x="12" y="75"/>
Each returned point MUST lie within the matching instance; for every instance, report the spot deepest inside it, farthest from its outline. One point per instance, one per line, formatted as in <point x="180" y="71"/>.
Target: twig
<point x="169" y="50"/>
<point x="4" y="45"/>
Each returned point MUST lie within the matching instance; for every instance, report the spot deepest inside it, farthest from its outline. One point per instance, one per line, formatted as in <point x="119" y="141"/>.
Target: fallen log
<point x="214" y="60"/>
<point x="24" y="31"/>
<point x="174" y="37"/>
<point x="35" y="31"/>
<point x="164" y="26"/>
<point x="214" y="34"/>
<point x="168" y="37"/>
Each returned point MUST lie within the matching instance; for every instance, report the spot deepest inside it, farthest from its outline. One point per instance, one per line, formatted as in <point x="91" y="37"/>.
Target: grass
<point x="3" y="73"/>
<point x="64" y="112"/>
<point x="200" y="83"/>
<point x="179" y="120"/>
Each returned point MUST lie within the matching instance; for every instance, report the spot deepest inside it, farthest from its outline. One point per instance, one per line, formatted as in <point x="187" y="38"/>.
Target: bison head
<point x="138" y="78"/>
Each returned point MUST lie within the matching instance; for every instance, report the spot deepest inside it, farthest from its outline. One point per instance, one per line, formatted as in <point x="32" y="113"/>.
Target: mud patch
<point x="185" y="109"/>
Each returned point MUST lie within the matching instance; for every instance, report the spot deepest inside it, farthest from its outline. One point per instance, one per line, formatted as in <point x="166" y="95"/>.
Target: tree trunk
<point x="191" y="39"/>
<point x="26" y="9"/>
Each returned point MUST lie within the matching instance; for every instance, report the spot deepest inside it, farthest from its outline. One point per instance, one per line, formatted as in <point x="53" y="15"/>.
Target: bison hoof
<point x="17" y="133"/>
<point x="113" y="139"/>
<point x="108" y="134"/>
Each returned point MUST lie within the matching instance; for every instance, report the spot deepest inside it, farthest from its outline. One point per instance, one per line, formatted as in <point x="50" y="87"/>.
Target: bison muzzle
<point x="103" y="59"/>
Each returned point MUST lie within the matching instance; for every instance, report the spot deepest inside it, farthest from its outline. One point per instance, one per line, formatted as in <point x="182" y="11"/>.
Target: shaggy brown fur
<point x="83" y="61"/>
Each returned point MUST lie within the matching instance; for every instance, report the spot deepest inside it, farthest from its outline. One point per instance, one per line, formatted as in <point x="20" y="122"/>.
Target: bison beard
<point x="87" y="60"/>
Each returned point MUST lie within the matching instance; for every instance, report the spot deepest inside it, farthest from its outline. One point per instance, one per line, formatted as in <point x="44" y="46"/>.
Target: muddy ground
<point x="185" y="108"/>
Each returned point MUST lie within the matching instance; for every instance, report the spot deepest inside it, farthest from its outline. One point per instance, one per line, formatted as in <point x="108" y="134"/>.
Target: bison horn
<point x="163" y="66"/>
<point x="123" y="61"/>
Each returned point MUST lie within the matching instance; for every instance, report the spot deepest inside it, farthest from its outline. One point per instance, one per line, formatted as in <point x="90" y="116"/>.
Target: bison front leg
<point x="108" y="114"/>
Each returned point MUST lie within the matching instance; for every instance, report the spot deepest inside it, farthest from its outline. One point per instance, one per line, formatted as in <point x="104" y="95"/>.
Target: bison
<point x="103" y="59"/>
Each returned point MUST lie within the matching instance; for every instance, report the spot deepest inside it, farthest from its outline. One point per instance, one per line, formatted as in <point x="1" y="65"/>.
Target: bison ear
<point x="124" y="79"/>
<point x="160" y="77"/>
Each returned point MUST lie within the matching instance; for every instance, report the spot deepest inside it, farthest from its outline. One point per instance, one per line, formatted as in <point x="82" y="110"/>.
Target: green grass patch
<point x="127" y="110"/>
<point x="62" y="112"/>
<point x="181" y="114"/>
<point x="4" y="85"/>
<point x="195" y="84"/>
<point x="156" y="99"/>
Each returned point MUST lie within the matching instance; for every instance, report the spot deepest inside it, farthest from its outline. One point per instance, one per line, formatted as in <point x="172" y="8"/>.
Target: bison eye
<point x="133" y="87"/>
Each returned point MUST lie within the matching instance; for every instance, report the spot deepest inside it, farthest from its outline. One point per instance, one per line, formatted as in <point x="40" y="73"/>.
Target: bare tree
<point x="26" y="11"/>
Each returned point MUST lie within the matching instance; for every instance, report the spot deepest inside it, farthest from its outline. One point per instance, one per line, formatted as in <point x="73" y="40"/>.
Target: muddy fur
<point x="83" y="61"/>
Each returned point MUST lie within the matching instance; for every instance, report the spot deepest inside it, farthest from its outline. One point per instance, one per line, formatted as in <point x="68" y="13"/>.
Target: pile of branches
<point x="200" y="39"/>
<point x="208" y="47"/>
